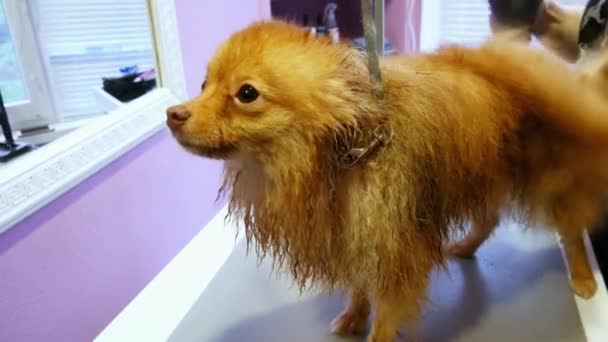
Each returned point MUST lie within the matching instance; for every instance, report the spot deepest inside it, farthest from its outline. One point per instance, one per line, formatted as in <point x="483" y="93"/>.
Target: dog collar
<point x="349" y="156"/>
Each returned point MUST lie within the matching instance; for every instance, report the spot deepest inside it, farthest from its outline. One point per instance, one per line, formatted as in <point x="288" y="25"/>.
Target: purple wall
<point x="206" y="24"/>
<point x="67" y="270"/>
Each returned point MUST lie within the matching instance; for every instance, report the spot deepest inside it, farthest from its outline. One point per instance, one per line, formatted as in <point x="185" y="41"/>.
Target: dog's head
<point x="267" y="86"/>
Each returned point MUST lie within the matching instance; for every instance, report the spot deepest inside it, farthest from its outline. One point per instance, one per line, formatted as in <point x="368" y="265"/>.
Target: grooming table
<point x="516" y="289"/>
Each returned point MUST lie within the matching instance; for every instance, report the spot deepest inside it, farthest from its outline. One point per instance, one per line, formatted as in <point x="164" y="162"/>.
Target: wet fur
<point x="475" y="129"/>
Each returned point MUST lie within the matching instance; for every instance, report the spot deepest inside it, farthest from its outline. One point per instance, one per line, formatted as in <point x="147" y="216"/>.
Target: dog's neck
<point x="286" y="195"/>
<point x="287" y="204"/>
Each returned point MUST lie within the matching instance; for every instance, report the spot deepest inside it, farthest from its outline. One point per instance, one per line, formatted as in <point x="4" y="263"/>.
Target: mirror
<point x="84" y="82"/>
<point x="65" y="63"/>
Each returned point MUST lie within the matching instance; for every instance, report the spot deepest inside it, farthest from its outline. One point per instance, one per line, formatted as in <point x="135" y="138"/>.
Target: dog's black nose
<point x="177" y="115"/>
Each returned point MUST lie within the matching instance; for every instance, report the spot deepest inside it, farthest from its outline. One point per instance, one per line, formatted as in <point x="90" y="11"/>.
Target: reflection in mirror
<point x="64" y="63"/>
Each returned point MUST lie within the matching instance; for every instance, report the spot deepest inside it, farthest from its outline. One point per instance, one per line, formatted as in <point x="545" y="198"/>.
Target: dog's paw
<point x="461" y="249"/>
<point x="583" y="287"/>
<point x="349" y="323"/>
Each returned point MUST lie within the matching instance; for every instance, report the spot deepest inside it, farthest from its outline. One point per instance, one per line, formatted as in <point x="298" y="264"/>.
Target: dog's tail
<point x="543" y="86"/>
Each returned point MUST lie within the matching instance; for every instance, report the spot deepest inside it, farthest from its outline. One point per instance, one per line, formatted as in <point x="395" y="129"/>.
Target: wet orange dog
<point x="474" y="130"/>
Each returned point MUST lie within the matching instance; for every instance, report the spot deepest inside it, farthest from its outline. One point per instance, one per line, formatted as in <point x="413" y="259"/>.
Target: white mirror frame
<point x="35" y="179"/>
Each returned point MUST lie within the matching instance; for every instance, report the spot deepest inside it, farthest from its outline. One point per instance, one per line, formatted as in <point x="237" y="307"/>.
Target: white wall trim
<point x="35" y="179"/>
<point x="155" y="313"/>
<point x="44" y="174"/>
<point x="168" y="50"/>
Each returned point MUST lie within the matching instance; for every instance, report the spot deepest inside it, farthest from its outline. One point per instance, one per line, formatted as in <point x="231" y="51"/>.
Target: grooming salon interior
<point x="111" y="226"/>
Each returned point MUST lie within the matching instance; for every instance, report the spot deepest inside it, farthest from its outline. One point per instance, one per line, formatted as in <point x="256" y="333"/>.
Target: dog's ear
<point x="553" y="12"/>
<point x="552" y="16"/>
<point x="557" y="28"/>
<point x="549" y="14"/>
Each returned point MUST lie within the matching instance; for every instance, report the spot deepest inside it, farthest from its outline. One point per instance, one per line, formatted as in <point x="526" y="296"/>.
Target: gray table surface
<point x="516" y="289"/>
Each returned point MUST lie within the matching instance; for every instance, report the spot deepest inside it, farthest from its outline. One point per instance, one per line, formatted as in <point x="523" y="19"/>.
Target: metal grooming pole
<point x="379" y="19"/>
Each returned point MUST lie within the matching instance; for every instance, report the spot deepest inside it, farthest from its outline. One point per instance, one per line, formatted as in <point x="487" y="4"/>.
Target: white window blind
<point x="464" y="21"/>
<point x="86" y="40"/>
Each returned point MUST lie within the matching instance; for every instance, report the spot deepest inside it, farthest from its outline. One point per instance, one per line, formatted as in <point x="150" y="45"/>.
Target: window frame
<point x="33" y="180"/>
<point x="430" y="25"/>
<point x="38" y="109"/>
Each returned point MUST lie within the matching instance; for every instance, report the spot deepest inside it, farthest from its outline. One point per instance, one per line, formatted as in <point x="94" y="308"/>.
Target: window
<point x="66" y="54"/>
<point x="11" y="77"/>
<point x="465" y="21"/>
<point x="460" y="21"/>
<point x="22" y="80"/>
<point x="80" y="51"/>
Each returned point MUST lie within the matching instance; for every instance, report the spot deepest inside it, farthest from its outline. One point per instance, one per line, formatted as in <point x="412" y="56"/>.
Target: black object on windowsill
<point x="10" y="148"/>
<point x="128" y="87"/>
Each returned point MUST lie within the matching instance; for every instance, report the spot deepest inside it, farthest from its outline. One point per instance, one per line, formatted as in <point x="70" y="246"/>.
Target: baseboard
<point x="158" y="309"/>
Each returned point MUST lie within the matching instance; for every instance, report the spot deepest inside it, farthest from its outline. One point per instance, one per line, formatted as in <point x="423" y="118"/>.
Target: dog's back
<point x="499" y="123"/>
<point x="536" y="124"/>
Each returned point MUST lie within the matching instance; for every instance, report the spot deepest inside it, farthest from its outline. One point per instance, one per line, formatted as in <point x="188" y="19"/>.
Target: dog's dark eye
<point x="203" y="85"/>
<point x="247" y="94"/>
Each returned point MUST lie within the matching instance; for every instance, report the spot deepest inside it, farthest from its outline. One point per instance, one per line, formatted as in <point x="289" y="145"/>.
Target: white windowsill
<point x="54" y="132"/>
<point x="40" y="176"/>
<point x="36" y="178"/>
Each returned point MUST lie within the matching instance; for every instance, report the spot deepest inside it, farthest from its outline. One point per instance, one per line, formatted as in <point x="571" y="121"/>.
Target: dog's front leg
<point x="397" y="309"/>
<point x="353" y="320"/>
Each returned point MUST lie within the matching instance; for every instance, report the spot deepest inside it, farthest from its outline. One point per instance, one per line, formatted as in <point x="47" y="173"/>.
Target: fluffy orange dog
<point x="474" y="130"/>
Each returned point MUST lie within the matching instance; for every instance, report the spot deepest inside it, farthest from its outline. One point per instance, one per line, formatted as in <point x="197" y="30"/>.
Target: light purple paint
<point x="205" y="25"/>
<point x="67" y="270"/>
